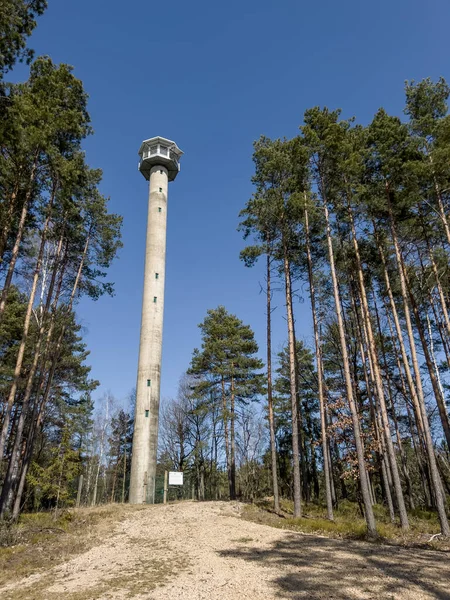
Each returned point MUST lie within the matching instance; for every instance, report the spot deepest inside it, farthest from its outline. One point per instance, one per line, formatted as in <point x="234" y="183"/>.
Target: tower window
<point x="154" y="299"/>
<point x="161" y="171"/>
<point x="156" y="275"/>
<point x="149" y="382"/>
<point x="147" y="413"/>
<point x="159" y="209"/>
<point x="160" y="189"/>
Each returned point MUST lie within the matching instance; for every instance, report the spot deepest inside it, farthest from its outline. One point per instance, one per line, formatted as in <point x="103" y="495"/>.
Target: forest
<point x="356" y="217"/>
<point x="57" y="240"/>
<point x="349" y="222"/>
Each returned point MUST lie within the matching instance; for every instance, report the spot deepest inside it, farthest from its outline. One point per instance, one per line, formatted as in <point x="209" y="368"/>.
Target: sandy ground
<point x="205" y="551"/>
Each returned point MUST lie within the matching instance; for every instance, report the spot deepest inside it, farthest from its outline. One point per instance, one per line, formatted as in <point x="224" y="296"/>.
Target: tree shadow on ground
<point x="316" y="568"/>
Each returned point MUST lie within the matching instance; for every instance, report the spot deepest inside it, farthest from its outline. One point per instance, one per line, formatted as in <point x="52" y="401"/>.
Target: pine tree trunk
<point x="434" y="381"/>
<point x="403" y="460"/>
<point x="8" y="219"/>
<point x="440" y="291"/>
<point x="37" y="416"/>
<point x="364" y="483"/>
<point x="415" y="389"/>
<point x="303" y="450"/>
<point x="25" y="331"/>
<point x="60" y="482"/>
<point x="437" y="317"/>
<point x="273" y="447"/>
<point x="381" y="454"/>
<point x="124" y="473"/>
<point x="225" y="433"/>
<point x="94" y="495"/>
<point x="24" y="470"/>
<point x="113" y="486"/>
<point x="434" y="473"/>
<point x="232" y="442"/>
<point x="18" y="241"/>
<point x="378" y="383"/>
<point x="387" y="489"/>
<point x="293" y="386"/>
<point x="439" y="199"/>
<point x="10" y="481"/>
<point x="323" y="422"/>
<point x="54" y="362"/>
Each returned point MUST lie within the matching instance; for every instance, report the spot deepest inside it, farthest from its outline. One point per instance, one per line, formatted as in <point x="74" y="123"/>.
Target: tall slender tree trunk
<point x="25" y="331"/>
<point x="225" y="432"/>
<point x="124" y="472"/>
<point x="232" y="441"/>
<point x="437" y="317"/>
<point x="36" y="420"/>
<point x="440" y="200"/>
<point x="328" y="420"/>
<point x="302" y="444"/>
<point x="273" y="446"/>
<point x="8" y="218"/>
<point x="94" y="495"/>
<point x="10" y="481"/>
<point x="419" y="445"/>
<point x="378" y="383"/>
<point x="385" y="478"/>
<point x="415" y="389"/>
<point x="364" y="483"/>
<point x="293" y="385"/>
<point x="440" y="290"/>
<point x="40" y="405"/>
<point x="18" y="240"/>
<point x="102" y="450"/>
<point x="113" y="485"/>
<point x="434" y="473"/>
<point x="401" y="451"/>
<point x="434" y="381"/>
<point x="323" y="420"/>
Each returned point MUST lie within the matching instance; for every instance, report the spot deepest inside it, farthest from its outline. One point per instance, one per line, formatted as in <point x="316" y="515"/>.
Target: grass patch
<point x="42" y="540"/>
<point x="348" y="523"/>
<point x="147" y="576"/>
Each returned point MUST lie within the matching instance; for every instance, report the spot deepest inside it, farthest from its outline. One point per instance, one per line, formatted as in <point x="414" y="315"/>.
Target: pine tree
<point x="17" y="21"/>
<point x="227" y="363"/>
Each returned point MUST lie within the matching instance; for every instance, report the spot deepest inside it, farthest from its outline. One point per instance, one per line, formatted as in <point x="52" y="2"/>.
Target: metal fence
<point x="174" y="492"/>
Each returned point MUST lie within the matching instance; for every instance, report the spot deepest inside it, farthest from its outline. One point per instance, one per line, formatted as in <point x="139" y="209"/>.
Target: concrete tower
<point x="159" y="164"/>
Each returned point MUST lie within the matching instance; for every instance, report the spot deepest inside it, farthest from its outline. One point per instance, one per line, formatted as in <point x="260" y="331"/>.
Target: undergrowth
<point x="42" y="539"/>
<point x="348" y="522"/>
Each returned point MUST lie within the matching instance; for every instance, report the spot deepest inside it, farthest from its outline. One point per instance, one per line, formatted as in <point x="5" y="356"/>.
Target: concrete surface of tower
<point x="159" y="163"/>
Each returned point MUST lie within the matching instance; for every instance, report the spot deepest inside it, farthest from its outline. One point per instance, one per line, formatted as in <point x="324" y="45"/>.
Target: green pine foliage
<point x="57" y="241"/>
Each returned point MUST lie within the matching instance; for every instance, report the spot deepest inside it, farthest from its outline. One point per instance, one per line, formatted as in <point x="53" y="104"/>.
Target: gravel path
<point x="205" y="551"/>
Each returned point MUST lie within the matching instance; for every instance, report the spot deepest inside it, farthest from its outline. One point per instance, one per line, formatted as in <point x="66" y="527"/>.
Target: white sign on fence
<point x="175" y="478"/>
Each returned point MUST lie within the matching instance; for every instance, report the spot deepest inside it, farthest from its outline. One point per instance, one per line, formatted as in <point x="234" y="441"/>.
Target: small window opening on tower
<point x="161" y="171"/>
<point x="149" y="382"/>
<point x="159" y="209"/>
<point x="147" y="413"/>
<point x="156" y="275"/>
<point x="154" y="299"/>
<point x="160" y="189"/>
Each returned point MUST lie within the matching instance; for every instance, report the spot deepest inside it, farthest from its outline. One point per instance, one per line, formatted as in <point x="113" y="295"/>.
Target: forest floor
<point x="211" y="551"/>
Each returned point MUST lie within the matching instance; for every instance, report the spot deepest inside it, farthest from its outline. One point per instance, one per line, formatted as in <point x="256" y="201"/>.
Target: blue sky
<point x="214" y="77"/>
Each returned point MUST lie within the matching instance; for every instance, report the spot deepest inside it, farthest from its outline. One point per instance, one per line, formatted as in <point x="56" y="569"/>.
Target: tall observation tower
<point x="159" y="164"/>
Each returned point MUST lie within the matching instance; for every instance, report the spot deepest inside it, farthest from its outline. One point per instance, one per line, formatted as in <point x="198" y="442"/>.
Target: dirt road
<point x="205" y="551"/>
